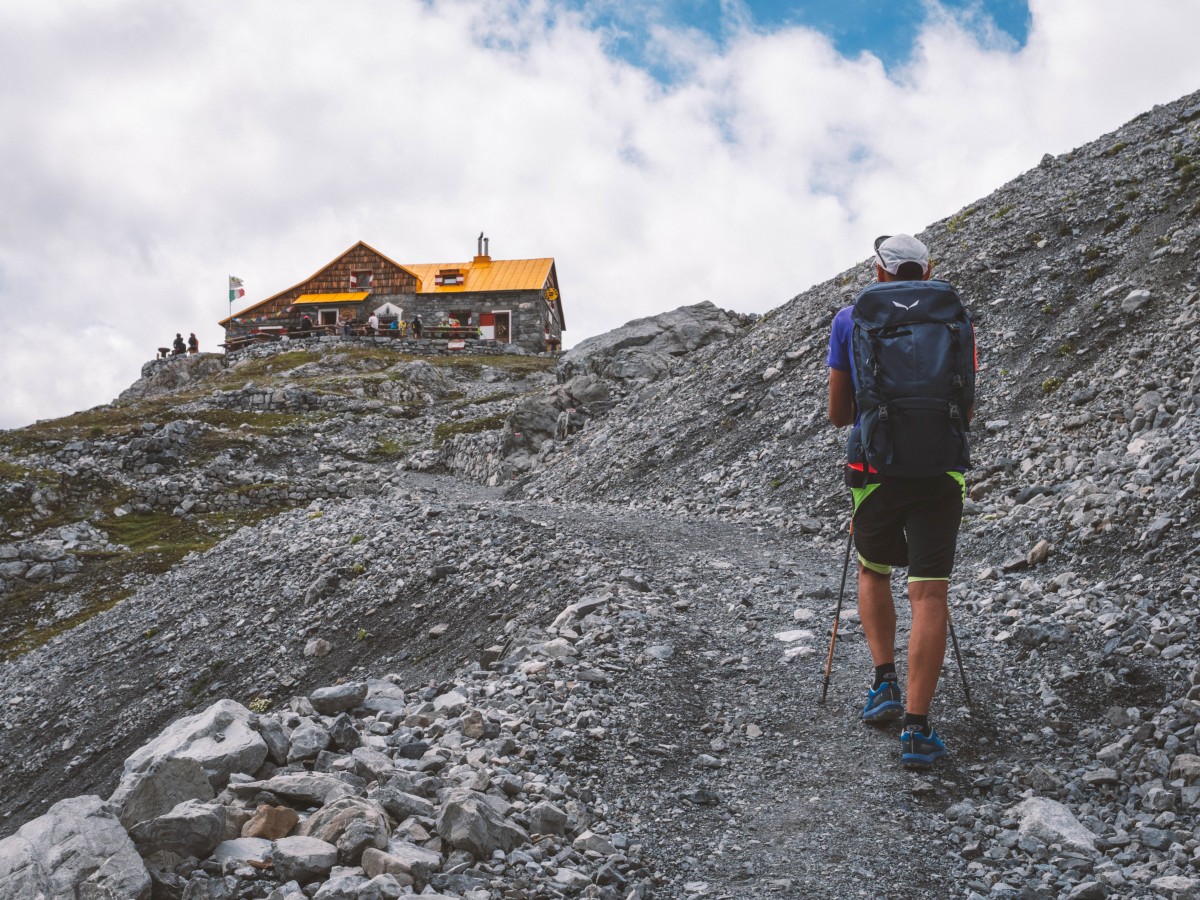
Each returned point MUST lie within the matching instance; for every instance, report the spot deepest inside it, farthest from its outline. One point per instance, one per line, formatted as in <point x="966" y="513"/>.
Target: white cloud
<point x="165" y="146"/>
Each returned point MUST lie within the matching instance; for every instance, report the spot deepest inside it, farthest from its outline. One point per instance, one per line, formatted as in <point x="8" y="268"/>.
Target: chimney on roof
<point x="481" y="251"/>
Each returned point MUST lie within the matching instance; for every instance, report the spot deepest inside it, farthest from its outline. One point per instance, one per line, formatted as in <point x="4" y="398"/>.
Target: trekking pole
<point x="962" y="674"/>
<point x="837" y="618"/>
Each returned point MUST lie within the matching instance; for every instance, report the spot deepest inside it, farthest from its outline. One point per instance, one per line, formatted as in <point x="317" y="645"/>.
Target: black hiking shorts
<point x="909" y="522"/>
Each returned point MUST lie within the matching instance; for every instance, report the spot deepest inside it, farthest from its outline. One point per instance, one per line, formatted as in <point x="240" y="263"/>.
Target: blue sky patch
<point x="886" y="28"/>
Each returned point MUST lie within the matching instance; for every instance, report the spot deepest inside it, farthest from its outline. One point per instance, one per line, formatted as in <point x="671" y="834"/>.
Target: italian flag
<point x="235" y="288"/>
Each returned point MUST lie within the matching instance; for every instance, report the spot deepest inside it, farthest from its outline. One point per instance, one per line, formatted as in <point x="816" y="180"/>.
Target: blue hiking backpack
<point x="914" y="364"/>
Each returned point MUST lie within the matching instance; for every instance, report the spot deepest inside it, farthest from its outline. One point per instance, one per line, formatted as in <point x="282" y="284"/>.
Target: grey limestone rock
<point x="221" y="739"/>
<point x="546" y="818"/>
<point x="303" y="859"/>
<point x="402" y="858"/>
<point x="467" y="821"/>
<point x="350" y="823"/>
<point x="193" y="828"/>
<point x="307" y="741"/>
<point x="329" y="701"/>
<point x="1051" y="822"/>
<point x="77" y="849"/>
<point x="167" y="782"/>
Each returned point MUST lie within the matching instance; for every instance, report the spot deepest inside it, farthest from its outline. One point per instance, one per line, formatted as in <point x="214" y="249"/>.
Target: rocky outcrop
<point x="173" y="374"/>
<point x="644" y="350"/>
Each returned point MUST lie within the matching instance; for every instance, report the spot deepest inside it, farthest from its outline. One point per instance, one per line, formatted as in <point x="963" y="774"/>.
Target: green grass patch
<point x="1002" y="212"/>
<point x="1051" y="384"/>
<point x="10" y="471"/>
<point x="1115" y="148"/>
<point x="270" y="365"/>
<point x="955" y="222"/>
<point x="389" y="448"/>
<point x="262" y="422"/>
<point x="447" y="430"/>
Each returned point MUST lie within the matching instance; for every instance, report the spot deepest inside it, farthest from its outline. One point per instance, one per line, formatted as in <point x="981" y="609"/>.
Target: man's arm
<point x="841" y="398"/>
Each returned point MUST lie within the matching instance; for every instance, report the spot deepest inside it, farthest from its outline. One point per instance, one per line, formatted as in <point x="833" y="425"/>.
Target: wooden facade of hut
<point x="347" y="289"/>
<point x="507" y="300"/>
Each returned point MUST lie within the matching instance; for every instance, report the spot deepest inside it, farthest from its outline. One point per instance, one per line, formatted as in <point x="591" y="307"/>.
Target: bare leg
<point x="877" y="613"/>
<point x="927" y="643"/>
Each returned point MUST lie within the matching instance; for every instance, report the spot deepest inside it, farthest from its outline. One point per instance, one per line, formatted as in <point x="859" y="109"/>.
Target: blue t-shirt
<point x="840" y="357"/>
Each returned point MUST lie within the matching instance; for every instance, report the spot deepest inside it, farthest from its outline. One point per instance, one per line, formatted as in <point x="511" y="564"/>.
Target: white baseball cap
<point x="894" y="250"/>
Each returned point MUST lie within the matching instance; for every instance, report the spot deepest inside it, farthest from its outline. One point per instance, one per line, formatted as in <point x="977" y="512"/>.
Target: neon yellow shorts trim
<point x="874" y="567"/>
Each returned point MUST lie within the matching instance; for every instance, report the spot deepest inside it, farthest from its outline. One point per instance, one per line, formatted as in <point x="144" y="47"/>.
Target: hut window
<point x="361" y="279"/>
<point x="461" y="316"/>
<point x="449" y="276"/>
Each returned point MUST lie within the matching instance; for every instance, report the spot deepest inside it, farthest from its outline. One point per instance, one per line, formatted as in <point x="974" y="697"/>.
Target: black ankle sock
<point x="912" y="720"/>
<point x="886" y="672"/>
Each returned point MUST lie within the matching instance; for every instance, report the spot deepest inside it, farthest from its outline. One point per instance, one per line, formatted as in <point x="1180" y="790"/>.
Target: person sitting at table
<point x="395" y="325"/>
<point x="177" y="347"/>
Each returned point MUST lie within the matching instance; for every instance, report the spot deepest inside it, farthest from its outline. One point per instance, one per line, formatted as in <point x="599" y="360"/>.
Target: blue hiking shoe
<point x="919" y="750"/>
<point x="883" y="704"/>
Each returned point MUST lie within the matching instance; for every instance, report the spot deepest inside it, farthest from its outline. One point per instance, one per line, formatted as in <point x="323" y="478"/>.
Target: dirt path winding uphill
<point x="741" y="784"/>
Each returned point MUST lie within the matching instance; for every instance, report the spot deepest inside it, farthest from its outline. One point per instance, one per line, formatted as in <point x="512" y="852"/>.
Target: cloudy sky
<point x="736" y="151"/>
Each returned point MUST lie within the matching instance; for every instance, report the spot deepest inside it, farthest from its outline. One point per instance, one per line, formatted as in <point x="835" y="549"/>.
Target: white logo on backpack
<point x="902" y="306"/>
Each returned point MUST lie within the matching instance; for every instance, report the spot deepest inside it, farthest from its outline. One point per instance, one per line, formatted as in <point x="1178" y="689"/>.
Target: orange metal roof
<point x="496" y="275"/>
<point x="353" y="297"/>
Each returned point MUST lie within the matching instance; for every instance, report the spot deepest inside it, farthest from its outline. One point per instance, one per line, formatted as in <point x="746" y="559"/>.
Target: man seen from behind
<point x="905" y="459"/>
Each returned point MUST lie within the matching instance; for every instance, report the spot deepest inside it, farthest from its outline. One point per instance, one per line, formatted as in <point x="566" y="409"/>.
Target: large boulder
<point x="402" y="858"/>
<point x="192" y="828"/>
<point x="303" y="859"/>
<point x="221" y="739"/>
<point x="468" y="822"/>
<point x="642" y="350"/>
<point x="329" y="701"/>
<point x="77" y="849"/>
<point x="352" y="824"/>
<point x="164" y="785"/>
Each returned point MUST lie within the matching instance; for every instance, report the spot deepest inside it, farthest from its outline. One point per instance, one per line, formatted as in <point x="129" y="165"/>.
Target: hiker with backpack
<point x="902" y="367"/>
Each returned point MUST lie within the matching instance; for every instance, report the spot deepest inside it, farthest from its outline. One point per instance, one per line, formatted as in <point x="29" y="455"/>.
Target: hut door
<point x="502" y="329"/>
